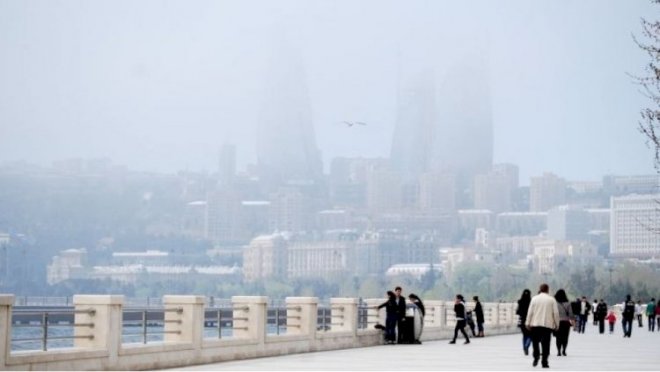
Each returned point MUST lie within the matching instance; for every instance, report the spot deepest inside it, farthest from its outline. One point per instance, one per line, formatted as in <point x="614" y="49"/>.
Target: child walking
<point x="611" y="319"/>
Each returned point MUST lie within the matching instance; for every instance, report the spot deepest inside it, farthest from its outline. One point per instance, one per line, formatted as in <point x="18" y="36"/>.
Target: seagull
<point x="352" y="123"/>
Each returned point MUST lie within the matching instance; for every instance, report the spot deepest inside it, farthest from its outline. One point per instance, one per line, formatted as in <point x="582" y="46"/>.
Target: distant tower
<point x="463" y="140"/>
<point x="227" y="164"/>
<point x="286" y="144"/>
<point x="413" y="134"/>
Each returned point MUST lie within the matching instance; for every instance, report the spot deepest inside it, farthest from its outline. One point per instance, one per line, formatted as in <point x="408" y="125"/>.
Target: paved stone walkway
<point x="586" y="352"/>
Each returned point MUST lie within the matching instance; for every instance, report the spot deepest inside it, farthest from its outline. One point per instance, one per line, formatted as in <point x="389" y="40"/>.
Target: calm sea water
<point x="129" y="335"/>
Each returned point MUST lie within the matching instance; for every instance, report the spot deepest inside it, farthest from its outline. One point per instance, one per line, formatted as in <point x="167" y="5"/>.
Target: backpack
<point x="629" y="309"/>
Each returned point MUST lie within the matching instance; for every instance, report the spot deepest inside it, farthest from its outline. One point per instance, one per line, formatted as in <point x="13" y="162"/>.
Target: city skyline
<point x="561" y="99"/>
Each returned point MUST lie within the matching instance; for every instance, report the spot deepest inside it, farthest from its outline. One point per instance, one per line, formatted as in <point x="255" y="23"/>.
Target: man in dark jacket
<point x="459" y="310"/>
<point x="599" y="314"/>
<point x="401" y="313"/>
<point x="627" y="316"/>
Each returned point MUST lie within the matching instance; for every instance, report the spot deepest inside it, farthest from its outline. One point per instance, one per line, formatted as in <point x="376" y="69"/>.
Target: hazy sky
<point x="160" y="85"/>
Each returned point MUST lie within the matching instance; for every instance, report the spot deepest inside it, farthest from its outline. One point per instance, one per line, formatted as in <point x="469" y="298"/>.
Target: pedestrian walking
<point x="611" y="319"/>
<point x="460" y="312"/>
<point x="650" y="314"/>
<point x="638" y="312"/>
<point x="566" y="321"/>
<point x="521" y="311"/>
<point x="627" y="316"/>
<point x="593" y="310"/>
<point x="585" y="308"/>
<point x="542" y="320"/>
<point x="601" y="313"/>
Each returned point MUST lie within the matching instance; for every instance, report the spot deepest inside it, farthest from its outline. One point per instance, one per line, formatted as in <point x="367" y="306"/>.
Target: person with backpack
<point x="627" y="316"/>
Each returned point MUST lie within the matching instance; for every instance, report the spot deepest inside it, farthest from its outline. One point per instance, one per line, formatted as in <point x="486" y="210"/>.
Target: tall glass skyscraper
<point x="286" y="143"/>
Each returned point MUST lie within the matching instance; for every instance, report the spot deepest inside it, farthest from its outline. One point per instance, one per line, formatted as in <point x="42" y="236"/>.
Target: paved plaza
<point x="586" y="352"/>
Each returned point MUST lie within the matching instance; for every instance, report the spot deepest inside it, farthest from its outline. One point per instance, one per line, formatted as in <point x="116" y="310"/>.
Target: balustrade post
<point x="105" y="313"/>
<point x="249" y="317"/>
<point x="344" y="314"/>
<point x="302" y="316"/>
<point x="435" y="313"/>
<point x="6" y="304"/>
<point x="186" y="325"/>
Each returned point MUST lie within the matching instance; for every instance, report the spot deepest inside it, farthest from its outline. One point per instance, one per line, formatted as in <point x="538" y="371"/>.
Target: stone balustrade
<point x="98" y="343"/>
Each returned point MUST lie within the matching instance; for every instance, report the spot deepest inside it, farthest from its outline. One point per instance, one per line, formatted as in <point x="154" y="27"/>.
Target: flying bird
<point x="352" y="123"/>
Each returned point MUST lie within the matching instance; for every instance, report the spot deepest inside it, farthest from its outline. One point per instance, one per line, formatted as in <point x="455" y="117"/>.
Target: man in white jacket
<point x="542" y="319"/>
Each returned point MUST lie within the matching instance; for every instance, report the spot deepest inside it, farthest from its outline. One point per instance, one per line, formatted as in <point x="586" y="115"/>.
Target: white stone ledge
<point x="6" y="299"/>
<point x="302" y="300"/>
<point x="33" y="357"/>
<point x="163" y="347"/>
<point x="98" y="300"/>
<point x="335" y="334"/>
<point x="250" y="299"/>
<point x="344" y="301"/>
<point x="183" y="300"/>
<point x="229" y="342"/>
<point x="270" y="339"/>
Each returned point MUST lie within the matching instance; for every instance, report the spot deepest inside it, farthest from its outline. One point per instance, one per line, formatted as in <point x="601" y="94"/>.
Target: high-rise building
<point x="635" y="226"/>
<point x="383" y="191"/>
<point x="348" y="179"/>
<point x="624" y="185"/>
<point x="437" y="192"/>
<point x="545" y="192"/>
<point x="223" y="224"/>
<point x="290" y="210"/>
<point x="521" y="223"/>
<point x="286" y="143"/>
<point x="414" y="130"/>
<point x="493" y="191"/>
<point x="463" y="136"/>
<point x="568" y="223"/>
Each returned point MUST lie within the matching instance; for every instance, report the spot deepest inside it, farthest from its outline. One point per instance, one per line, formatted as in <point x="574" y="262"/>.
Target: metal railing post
<point x="44" y="338"/>
<point x="144" y="327"/>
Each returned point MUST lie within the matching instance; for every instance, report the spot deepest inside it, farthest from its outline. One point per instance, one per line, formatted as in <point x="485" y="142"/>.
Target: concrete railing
<point x="100" y="347"/>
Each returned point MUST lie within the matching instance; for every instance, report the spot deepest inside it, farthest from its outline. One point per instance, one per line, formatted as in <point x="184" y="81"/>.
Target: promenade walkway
<point x="586" y="352"/>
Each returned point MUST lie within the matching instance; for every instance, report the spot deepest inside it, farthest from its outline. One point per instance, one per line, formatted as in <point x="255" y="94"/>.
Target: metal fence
<point x="41" y="331"/>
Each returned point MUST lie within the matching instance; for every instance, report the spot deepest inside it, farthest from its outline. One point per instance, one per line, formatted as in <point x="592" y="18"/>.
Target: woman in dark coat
<point x="523" y="306"/>
<point x="479" y="312"/>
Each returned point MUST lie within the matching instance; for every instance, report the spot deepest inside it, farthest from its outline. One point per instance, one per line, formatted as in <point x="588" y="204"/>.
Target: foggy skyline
<point x="162" y="85"/>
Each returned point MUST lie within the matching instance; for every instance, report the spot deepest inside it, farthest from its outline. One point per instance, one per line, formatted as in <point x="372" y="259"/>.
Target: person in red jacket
<point x="611" y="319"/>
